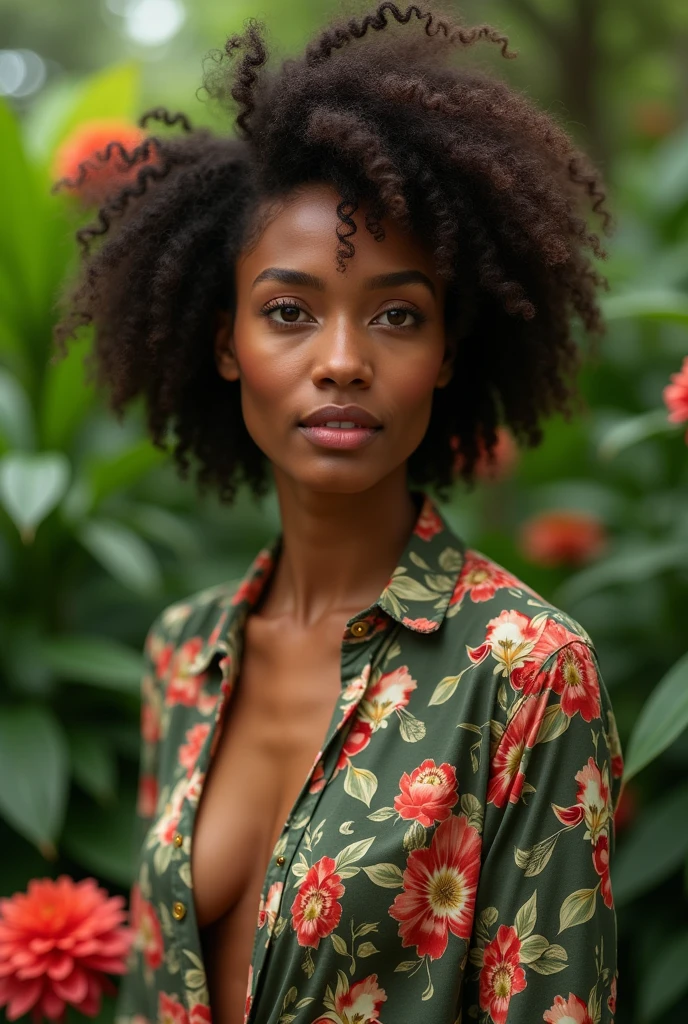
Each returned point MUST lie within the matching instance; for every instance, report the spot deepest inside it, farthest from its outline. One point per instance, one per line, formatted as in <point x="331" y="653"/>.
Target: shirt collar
<point x="417" y="594"/>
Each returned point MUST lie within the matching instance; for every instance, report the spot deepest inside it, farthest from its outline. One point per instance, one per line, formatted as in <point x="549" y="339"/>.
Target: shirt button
<point x="178" y="911"/>
<point x="178" y="839"/>
<point x="279" y="861"/>
<point x="360" y="628"/>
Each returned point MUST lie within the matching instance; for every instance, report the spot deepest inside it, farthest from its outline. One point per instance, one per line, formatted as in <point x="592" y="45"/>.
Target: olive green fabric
<point x="447" y="858"/>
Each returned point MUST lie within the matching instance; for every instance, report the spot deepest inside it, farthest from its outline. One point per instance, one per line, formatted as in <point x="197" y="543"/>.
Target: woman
<point x="378" y="777"/>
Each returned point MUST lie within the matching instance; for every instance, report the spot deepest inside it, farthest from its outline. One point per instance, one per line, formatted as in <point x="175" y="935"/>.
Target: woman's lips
<point x="340" y="437"/>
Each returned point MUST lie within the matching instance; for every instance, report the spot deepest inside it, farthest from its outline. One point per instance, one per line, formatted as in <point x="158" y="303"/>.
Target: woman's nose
<point x="342" y="358"/>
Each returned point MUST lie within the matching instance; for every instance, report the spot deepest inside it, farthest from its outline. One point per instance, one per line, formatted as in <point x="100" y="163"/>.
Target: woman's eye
<point x="287" y="314"/>
<point x="397" y="318"/>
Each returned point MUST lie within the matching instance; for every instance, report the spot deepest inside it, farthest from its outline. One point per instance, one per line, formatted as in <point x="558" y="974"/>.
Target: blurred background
<point x="97" y="534"/>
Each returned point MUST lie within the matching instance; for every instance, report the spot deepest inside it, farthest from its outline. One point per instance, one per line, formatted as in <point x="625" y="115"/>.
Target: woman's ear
<point x="225" y="358"/>
<point x="446" y="370"/>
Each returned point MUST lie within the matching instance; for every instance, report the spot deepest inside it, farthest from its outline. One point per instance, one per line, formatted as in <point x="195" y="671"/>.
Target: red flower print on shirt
<point x="249" y="996"/>
<point x="267" y="911"/>
<point x="359" y="1004"/>
<point x="429" y="523"/>
<point x="170" y="1010"/>
<point x="501" y="975"/>
<point x="567" y="1011"/>
<point x="145" y="925"/>
<point x="166" y="825"/>
<point x="593" y="796"/>
<point x="480" y="578"/>
<point x="573" y="675"/>
<point x="611" y="998"/>
<point x="249" y="589"/>
<point x="439" y="889"/>
<point x="315" y="910"/>
<point x="506" y="777"/>
<point x="428" y="793"/>
<point x="422" y="625"/>
<point x="511" y="638"/>
<point x="162" y="660"/>
<point x="357" y="739"/>
<point x="189" y="751"/>
<point x="147" y="797"/>
<point x="200" y="1014"/>
<point x="184" y="687"/>
<point x="600" y="858"/>
<point x="391" y="691"/>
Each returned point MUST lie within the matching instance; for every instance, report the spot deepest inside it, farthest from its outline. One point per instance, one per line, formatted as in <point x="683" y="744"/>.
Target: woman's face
<point x="306" y="336"/>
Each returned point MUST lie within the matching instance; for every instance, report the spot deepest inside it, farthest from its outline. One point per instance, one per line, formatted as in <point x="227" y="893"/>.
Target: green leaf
<point x="108" y="476"/>
<point x="406" y="965"/>
<point x="112" y="93"/>
<point x="94" y="764"/>
<point x="360" y="784"/>
<point x="577" y="908"/>
<point x="472" y="808"/>
<point x="664" y="978"/>
<point x="654" y="304"/>
<point x="633" y="430"/>
<point x="526" y="917"/>
<point x="101" y="839"/>
<point x="536" y="859"/>
<point x="388" y="876"/>
<point x="16" y="416"/>
<point x="125" y="556"/>
<point x="414" y="837"/>
<point x="34" y="774"/>
<point x="554" y="724"/>
<point x="553" y="960"/>
<point x="382" y="814"/>
<point x="339" y="944"/>
<point x="366" y="949"/>
<point x="97" y="661"/>
<point x="31" y="485"/>
<point x="409" y="589"/>
<point x="532" y="948"/>
<point x="66" y="396"/>
<point x="350" y="854"/>
<point x="445" y="688"/>
<point x="654" y="849"/>
<point x="662" y="719"/>
<point x="411" y="728"/>
<point x="635" y="564"/>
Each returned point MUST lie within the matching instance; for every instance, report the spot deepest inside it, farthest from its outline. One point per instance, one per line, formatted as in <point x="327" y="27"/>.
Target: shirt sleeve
<point x="543" y="946"/>
<point x="131" y="995"/>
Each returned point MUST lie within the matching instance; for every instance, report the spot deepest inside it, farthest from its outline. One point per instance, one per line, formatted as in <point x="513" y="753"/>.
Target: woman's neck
<point x="338" y="550"/>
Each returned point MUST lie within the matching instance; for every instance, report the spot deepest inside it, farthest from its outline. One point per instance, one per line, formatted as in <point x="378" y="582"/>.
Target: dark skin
<point x="348" y="512"/>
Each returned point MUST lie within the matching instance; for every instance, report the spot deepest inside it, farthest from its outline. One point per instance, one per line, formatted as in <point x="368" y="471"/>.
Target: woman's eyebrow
<point x="399" y="277"/>
<point x="285" y="276"/>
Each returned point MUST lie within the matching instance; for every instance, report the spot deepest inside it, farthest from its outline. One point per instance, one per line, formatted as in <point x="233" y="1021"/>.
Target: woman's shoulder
<point x="194" y="620"/>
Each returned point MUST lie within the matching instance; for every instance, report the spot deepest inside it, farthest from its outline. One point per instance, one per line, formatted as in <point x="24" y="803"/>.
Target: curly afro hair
<point x="379" y="108"/>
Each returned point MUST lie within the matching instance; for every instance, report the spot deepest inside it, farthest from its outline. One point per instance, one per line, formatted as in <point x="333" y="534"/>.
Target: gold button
<point x="178" y="911"/>
<point x="359" y="628"/>
<point x="178" y="839"/>
<point x="279" y="861"/>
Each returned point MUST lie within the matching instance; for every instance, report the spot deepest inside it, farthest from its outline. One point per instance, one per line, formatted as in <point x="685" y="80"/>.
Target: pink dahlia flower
<point x="58" y="941"/>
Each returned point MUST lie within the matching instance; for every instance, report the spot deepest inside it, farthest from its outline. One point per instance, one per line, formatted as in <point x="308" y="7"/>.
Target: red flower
<point x="268" y="910"/>
<point x="562" y="537"/>
<point x="506" y="777"/>
<point x="315" y="910"/>
<point x="185" y="686"/>
<point x="600" y="858"/>
<point x="428" y="793"/>
<point x="147" y="797"/>
<point x="611" y="998"/>
<point x="249" y="996"/>
<point x="481" y="578"/>
<point x="357" y="739"/>
<point x="675" y="396"/>
<point x="439" y="889"/>
<point x="501" y="975"/>
<point x="567" y="1011"/>
<point x="188" y="753"/>
<point x="359" y="1004"/>
<point x="388" y="693"/>
<point x="57" y="943"/>
<point x="170" y="1010"/>
<point x="428" y="523"/>
<point x="146" y="928"/>
<point x="200" y="1014"/>
<point x="86" y="145"/>
<point x="421" y="625"/>
<point x="251" y="586"/>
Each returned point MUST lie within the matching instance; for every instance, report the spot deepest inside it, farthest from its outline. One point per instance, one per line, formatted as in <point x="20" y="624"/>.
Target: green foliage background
<point x="97" y="533"/>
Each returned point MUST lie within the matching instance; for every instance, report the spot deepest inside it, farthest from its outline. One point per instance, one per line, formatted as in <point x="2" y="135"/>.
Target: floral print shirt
<point x="447" y="859"/>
